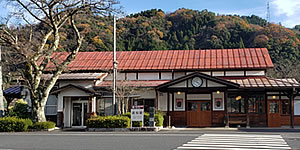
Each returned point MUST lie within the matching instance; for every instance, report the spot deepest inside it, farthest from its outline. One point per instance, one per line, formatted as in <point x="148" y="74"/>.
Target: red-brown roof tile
<point x="253" y="58"/>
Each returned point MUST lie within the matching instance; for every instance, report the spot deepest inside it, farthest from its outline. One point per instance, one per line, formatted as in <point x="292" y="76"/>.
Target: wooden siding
<point x="178" y="118"/>
<point x="218" y="118"/>
<point x="258" y="120"/>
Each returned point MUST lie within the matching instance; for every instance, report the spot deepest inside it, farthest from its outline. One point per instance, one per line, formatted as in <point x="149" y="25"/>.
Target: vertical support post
<point x="246" y="109"/>
<point x="114" y="70"/>
<point x="226" y="109"/>
<point x="168" y="110"/>
<point x="292" y="108"/>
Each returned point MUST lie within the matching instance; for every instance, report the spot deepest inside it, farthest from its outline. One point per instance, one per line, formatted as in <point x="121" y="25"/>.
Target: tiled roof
<point x="16" y="90"/>
<point x="248" y="58"/>
<point x="134" y="83"/>
<point x="264" y="82"/>
<point x="77" y="76"/>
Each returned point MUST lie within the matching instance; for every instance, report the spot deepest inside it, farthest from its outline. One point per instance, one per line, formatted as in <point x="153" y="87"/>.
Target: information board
<point x="137" y="114"/>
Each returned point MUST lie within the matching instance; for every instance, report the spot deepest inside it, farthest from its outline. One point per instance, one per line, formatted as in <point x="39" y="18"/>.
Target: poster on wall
<point x="179" y="104"/>
<point x="218" y="104"/>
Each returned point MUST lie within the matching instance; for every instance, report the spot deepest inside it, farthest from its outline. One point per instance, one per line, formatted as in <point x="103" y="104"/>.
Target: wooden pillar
<point x="291" y="96"/>
<point x="226" y="111"/>
<point x="246" y="108"/>
<point x="168" y="110"/>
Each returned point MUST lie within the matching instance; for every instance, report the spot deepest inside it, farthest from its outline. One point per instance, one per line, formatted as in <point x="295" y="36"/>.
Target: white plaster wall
<point x="178" y="74"/>
<point x="297" y="106"/>
<point x="149" y="76"/>
<point x="166" y="76"/>
<point x="131" y="76"/>
<point x="255" y="73"/>
<point x="68" y="92"/>
<point x="214" y="84"/>
<point x="180" y="84"/>
<point x="83" y="83"/>
<point x="67" y="112"/>
<point x="179" y="96"/>
<point x="198" y="96"/>
<point x="206" y="72"/>
<point x="162" y="101"/>
<point x="218" y="73"/>
<point x="147" y="93"/>
<point x="120" y="76"/>
<point x="234" y="73"/>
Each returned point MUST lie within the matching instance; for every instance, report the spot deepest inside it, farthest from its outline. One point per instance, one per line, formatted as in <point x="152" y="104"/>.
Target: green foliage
<point x="108" y="122"/>
<point x="20" y="109"/>
<point x="14" y="124"/>
<point x="43" y="125"/>
<point x="158" y="119"/>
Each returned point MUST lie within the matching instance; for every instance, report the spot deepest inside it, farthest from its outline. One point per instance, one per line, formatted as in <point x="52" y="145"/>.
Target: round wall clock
<point x="197" y="82"/>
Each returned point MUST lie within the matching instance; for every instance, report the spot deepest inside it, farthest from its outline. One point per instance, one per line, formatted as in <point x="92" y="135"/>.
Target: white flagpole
<point x="114" y="70"/>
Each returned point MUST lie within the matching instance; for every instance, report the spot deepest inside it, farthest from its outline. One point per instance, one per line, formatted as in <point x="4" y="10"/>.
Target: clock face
<point x="197" y="82"/>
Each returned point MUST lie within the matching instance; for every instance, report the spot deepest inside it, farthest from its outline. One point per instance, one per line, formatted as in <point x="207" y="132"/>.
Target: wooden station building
<point x="194" y="88"/>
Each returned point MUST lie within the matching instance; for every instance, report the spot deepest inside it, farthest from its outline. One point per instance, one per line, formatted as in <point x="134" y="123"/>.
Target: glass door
<point x="77" y="114"/>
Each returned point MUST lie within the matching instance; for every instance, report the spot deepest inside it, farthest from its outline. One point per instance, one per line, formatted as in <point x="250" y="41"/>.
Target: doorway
<point x="79" y="113"/>
<point x="199" y="114"/>
<point x="274" y="118"/>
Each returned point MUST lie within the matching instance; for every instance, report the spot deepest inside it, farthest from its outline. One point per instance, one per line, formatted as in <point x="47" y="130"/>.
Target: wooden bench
<point x="237" y="119"/>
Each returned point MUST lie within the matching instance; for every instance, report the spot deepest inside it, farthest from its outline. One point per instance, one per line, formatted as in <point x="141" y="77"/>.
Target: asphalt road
<point x="163" y="140"/>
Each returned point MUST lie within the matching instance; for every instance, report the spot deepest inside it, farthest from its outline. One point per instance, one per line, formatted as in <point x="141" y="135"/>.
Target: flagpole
<point x="114" y="70"/>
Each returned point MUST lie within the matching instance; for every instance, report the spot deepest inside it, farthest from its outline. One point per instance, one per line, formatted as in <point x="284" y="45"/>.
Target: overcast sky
<point x="287" y="12"/>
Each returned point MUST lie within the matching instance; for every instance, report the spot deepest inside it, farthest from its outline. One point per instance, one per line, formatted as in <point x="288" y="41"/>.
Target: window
<point x="104" y="106"/>
<point x="256" y="103"/>
<point x="192" y="106"/>
<point x="285" y="107"/>
<point x="51" y="105"/>
<point x="235" y="103"/>
<point x="146" y="102"/>
<point x="273" y="107"/>
<point x="204" y="106"/>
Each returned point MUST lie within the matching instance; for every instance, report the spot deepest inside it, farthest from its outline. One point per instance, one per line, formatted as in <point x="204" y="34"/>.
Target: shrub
<point x="14" y="124"/>
<point x="108" y="122"/>
<point x="44" y="125"/>
<point x="20" y="109"/>
<point x="158" y="119"/>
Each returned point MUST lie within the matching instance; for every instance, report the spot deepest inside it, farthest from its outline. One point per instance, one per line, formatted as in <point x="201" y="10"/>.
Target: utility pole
<point x="115" y="70"/>
<point x="1" y="90"/>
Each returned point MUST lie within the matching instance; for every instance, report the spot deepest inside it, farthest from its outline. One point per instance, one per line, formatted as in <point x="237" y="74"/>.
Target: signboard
<point x="137" y="114"/>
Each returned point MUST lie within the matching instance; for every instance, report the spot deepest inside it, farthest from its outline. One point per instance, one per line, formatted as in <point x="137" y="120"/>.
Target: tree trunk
<point x="38" y="113"/>
<point x="38" y="109"/>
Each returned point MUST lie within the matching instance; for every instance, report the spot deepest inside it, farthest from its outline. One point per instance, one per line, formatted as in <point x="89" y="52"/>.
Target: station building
<point x="193" y="88"/>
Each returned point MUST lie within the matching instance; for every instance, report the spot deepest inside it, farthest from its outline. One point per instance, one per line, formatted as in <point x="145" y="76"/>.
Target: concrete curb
<point x="155" y="129"/>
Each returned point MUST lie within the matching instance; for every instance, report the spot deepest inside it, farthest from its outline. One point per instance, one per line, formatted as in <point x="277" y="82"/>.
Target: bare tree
<point x="37" y="51"/>
<point x="124" y="91"/>
<point x="285" y="69"/>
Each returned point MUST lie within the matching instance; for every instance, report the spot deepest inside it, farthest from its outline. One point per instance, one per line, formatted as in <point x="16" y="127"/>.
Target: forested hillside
<point x="192" y="29"/>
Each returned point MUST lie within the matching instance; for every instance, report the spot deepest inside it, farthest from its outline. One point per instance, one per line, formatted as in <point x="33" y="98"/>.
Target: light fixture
<point x="274" y="97"/>
<point x="218" y="92"/>
<point x="178" y="92"/>
<point x="238" y="98"/>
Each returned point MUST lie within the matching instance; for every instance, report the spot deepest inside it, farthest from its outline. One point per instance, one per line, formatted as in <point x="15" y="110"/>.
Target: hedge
<point x="14" y="124"/>
<point x="158" y="119"/>
<point x="108" y="122"/>
<point x="43" y="125"/>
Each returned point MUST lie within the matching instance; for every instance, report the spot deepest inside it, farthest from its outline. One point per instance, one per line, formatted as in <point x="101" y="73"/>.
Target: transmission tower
<point x="268" y="12"/>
